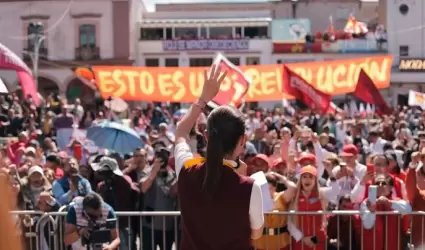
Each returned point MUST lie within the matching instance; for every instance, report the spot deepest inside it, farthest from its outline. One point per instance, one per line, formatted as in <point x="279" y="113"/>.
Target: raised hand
<point x="212" y="83"/>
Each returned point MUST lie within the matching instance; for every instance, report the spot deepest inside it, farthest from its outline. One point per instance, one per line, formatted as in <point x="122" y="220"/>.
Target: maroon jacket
<point x="221" y="223"/>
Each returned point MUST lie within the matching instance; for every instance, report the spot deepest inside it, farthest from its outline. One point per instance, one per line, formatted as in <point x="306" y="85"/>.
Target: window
<point x="221" y="32"/>
<point x="87" y="35"/>
<point x="203" y="33"/>
<point x="34" y="32"/>
<point x="186" y="33"/>
<point x="151" y="62"/>
<point x="256" y="32"/>
<point x="168" y="33"/>
<point x="404" y="50"/>
<point x="171" y="62"/>
<point x="235" y="60"/>
<point x="151" y="33"/>
<point x="252" y="60"/>
<point x="238" y="32"/>
<point x="200" y="62"/>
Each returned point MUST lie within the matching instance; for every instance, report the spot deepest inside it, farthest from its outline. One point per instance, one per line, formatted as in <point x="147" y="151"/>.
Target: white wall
<point x="406" y="29"/>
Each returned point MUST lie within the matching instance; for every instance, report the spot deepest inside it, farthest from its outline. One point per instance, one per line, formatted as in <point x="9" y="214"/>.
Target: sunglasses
<point x="381" y="183"/>
<point x="379" y="164"/>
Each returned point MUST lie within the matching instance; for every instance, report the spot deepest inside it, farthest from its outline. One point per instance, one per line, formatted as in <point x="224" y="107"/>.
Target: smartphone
<point x="373" y="193"/>
<point x="370" y="168"/>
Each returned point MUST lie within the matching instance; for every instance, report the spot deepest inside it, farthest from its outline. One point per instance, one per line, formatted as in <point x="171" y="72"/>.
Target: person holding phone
<point x="381" y="165"/>
<point x="386" y="227"/>
<point x="220" y="209"/>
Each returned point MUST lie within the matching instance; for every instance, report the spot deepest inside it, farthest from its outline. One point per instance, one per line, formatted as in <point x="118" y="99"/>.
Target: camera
<point x="163" y="154"/>
<point x="99" y="234"/>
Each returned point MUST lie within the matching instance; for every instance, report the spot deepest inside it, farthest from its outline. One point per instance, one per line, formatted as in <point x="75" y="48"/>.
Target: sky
<point x="150" y="4"/>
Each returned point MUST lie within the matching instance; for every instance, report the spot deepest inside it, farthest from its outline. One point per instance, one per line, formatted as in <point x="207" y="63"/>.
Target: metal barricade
<point x="161" y="230"/>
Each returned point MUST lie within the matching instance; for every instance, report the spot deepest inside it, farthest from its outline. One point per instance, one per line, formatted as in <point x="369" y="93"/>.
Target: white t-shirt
<point x="182" y="153"/>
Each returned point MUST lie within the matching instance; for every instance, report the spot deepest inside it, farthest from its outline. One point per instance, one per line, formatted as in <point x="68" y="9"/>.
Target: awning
<point x="213" y="22"/>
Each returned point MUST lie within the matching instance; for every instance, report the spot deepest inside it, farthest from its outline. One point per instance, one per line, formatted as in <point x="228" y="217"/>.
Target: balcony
<point x="42" y="53"/>
<point x="87" y="53"/>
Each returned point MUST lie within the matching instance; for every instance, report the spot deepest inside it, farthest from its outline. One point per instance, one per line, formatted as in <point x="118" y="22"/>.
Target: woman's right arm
<point x="209" y="91"/>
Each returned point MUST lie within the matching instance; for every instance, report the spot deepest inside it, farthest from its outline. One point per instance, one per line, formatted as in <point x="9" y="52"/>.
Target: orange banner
<point x="179" y="84"/>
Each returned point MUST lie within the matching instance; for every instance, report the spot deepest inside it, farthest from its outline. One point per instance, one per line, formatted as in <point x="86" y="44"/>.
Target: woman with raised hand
<point x="220" y="208"/>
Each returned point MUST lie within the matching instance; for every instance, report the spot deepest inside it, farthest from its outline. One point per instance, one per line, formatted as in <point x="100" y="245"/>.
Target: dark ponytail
<point x="214" y="160"/>
<point x="225" y="127"/>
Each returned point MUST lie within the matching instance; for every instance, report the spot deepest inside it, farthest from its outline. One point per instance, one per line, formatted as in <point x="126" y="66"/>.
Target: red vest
<point x="310" y="225"/>
<point x="398" y="193"/>
<point x="387" y="232"/>
<point x="220" y="223"/>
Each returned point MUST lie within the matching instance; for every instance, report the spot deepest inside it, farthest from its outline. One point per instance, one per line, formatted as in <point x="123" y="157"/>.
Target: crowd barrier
<point x="47" y="229"/>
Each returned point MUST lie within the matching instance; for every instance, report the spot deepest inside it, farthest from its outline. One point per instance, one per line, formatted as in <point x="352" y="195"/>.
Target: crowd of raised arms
<point x="312" y="162"/>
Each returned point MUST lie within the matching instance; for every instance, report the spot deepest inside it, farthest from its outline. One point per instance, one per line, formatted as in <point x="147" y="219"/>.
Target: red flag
<point x="299" y="88"/>
<point x="10" y="61"/>
<point x="334" y="109"/>
<point x="234" y="87"/>
<point x="366" y="91"/>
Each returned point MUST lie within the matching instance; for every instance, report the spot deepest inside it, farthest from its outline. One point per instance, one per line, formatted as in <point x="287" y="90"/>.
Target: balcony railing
<point x="87" y="53"/>
<point x="28" y="52"/>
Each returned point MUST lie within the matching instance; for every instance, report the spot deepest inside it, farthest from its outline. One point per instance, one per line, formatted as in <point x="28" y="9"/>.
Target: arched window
<point x="87" y="35"/>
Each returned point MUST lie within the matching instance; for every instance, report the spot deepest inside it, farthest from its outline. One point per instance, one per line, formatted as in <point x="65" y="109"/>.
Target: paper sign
<point x="416" y="99"/>
<point x="261" y="180"/>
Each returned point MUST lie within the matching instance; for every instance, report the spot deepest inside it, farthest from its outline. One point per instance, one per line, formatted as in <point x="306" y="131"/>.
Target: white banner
<point x="208" y="44"/>
<point x="416" y="99"/>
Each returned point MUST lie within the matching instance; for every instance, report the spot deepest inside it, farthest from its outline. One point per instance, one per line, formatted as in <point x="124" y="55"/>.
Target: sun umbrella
<point x="115" y="137"/>
<point x="180" y="113"/>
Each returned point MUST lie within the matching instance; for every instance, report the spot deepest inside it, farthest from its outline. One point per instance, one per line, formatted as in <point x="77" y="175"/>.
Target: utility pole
<point x="37" y="37"/>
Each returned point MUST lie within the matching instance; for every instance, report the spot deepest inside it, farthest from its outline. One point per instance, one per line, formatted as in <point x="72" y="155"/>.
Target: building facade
<point x="406" y="38"/>
<point x="192" y="34"/>
<point x="69" y="34"/>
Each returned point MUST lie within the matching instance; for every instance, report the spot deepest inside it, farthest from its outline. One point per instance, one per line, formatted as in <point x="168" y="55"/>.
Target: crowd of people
<point x="312" y="163"/>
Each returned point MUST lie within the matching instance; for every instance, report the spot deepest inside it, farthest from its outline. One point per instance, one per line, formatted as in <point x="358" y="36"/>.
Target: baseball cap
<point x="35" y="169"/>
<point x="262" y="157"/>
<point x="308" y="170"/>
<point x="30" y="150"/>
<point x="107" y="163"/>
<point x="349" y="150"/>
<point x="307" y="157"/>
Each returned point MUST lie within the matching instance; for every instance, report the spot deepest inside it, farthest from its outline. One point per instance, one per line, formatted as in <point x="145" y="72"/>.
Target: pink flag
<point x="10" y="61"/>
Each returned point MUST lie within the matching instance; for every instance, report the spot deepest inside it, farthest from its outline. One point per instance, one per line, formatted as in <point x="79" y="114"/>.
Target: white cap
<point x="107" y="164"/>
<point x="35" y="169"/>
<point x="30" y="150"/>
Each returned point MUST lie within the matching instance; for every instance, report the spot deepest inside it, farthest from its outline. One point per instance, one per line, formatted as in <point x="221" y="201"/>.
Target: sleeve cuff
<point x="414" y="166"/>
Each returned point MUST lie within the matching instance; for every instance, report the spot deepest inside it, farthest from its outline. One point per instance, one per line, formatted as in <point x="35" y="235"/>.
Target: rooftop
<point x="150" y="4"/>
